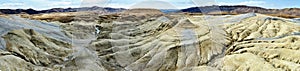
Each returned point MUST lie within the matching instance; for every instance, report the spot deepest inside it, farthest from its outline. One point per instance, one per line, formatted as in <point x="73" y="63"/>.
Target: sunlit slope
<point x="200" y="42"/>
<point x="263" y="43"/>
<point x="142" y="41"/>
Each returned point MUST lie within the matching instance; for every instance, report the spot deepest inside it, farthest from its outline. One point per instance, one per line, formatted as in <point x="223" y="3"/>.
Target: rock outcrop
<point x="260" y="41"/>
<point x="32" y="51"/>
<point x="32" y="45"/>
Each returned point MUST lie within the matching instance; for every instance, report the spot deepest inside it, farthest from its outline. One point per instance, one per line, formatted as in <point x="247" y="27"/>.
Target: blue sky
<point x="161" y="4"/>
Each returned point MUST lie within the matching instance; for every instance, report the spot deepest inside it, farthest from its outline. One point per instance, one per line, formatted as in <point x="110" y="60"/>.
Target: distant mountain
<point x="32" y="11"/>
<point x="241" y="9"/>
<point x="169" y="10"/>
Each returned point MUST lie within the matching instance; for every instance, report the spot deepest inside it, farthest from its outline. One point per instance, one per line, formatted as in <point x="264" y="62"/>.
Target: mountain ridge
<point x="54" y="10"/>
<point x="242" y="9"/>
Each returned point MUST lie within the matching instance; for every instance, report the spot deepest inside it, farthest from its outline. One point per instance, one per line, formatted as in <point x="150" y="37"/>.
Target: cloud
<point x="204" y="2"/>
<point x="160" y="4"/>
<point x="11" y="4"/>
<point x="60" y="3"/>
<point x="251" y="3"/>
<point x="89" y="3"/>
<point x="154" y="4"/>
<point x="48" y="4"/>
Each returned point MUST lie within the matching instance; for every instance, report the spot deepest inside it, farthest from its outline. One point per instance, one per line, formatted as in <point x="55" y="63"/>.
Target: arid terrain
<point x="149" y="40"/>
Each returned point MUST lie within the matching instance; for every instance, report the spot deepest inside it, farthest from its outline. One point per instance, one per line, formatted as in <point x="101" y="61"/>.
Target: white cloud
<point x="154" y="4"/>
<point x="11" y="4"/>
<point x="15" y="5"/>
<point x="204" y="2"/>
<point x="160" y="4"/>
<point x="48" y="4"/>
<point x="250" y="3"/>
<point x="89" y="3"/>
<point x="61" y="3"/>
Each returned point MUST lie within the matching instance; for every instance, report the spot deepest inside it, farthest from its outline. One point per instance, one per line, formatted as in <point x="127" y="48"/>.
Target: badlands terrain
<point x="148" y="40"/>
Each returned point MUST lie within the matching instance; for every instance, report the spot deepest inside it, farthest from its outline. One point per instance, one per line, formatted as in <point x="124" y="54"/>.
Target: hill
<point x="242" y="9"/>
<point x="55" y="10"/>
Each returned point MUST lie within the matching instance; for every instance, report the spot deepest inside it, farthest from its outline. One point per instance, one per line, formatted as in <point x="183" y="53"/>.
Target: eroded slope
<point x="152" y="42"/>
<point x="261" y="41"/>
<point x="160" y="43"/>
<point x="239" y="42"/>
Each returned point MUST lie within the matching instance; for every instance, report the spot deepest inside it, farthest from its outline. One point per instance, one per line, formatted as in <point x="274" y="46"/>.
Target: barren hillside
<point x="152" y="41"/>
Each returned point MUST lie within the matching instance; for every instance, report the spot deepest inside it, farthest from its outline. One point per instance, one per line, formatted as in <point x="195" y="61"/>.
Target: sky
<point x="159" y="4"/>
